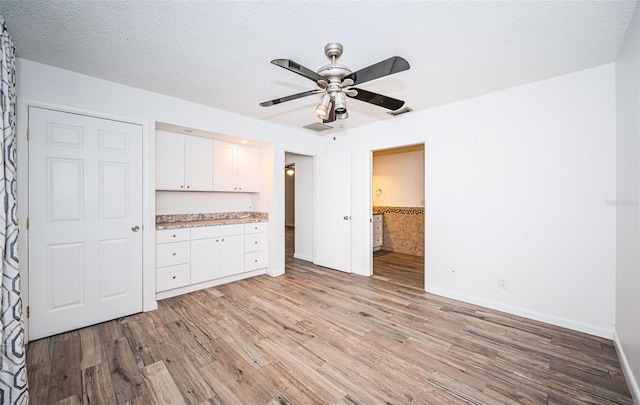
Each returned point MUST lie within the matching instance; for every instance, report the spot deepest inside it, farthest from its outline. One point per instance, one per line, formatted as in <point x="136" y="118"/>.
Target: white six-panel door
<point x="85" y="214"/>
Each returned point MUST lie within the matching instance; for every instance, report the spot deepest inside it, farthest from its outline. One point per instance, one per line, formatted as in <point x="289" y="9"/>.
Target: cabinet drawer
<point x="172" y="277"/>
<point x="205" y="232"/>
<point x="255" y="227"/>
<point x="233" y="229"/>
<point x="377" y="218"/>
<point x="377" y="240"/>
<point x="172" y="235"/>
<point x="377" y="228"/>
<point x="255" y="260"/>
<point x="254" y="242"/>
<point x="169" y="254"/>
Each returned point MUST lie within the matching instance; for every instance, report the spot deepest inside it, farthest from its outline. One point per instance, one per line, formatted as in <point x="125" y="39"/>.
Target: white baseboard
<point x="303" y="257"/>
<point x="595" y="330"/>
<point x="632" y="381"/>
<point x="360" y="272"/>
<point x="206" y="284"/>
<point x="275" y="273"/>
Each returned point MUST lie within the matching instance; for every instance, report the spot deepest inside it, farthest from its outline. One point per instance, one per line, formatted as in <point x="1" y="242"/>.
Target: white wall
<point x="516" y="183"/>
<point x="627" y="330"/>
<point x="398" y="174"/>
<point x="303" y="205"/>
<point x="43" y="85"/>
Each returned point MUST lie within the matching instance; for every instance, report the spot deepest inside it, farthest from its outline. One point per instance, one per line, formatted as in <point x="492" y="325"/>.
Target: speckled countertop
<point x="210" y="219"/>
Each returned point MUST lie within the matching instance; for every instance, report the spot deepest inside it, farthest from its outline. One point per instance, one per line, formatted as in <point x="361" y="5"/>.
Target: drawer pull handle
<point x="256" y="242"/>
<point x="256" y="260"/>
<point x="174" y="236"/>
<point x="174" y="253"/>
<point x="174" y="277"/>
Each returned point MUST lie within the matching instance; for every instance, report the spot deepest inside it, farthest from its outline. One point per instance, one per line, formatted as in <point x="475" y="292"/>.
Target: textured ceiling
<point x="217" y="53"/>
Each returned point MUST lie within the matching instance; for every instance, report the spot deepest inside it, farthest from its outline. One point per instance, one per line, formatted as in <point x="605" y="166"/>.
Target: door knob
<point x="136" y="228"/>
<point x="346" y="217"/>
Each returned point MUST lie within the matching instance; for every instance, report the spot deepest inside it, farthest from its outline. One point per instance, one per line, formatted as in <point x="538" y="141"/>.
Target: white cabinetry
<point x="183" y="163"/>
<point x="231" y="249"/>
<point x="255" y="246"/>
<point x="172" y="259"/>
<point x="377" y="231"/>
<point x="205" y="253"/>
<point x="235" y="167"/>
<point x="189" y="259"/>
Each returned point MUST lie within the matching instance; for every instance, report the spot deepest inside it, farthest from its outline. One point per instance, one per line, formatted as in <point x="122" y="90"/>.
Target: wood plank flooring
<point x="400" y="268"/>
<point x="326" y="337"/>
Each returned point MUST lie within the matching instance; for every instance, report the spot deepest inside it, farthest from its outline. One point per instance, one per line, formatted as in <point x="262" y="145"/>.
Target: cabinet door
<point x="169" y="161"/>
<point x="231" y="255"/>
<point x="224" y="166"/>
<point x="198" y="163"/>
<point x="248" y="169"/>
<point x="205" y="259"/>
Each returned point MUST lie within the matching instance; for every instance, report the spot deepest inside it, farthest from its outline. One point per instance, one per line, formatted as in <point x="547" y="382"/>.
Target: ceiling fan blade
<point x="377" y="99"/>
<point x="291" y="97"/>
<point x="387" y="67"/>
<point x="299" y="69"/>
<point x="332" y="114"/>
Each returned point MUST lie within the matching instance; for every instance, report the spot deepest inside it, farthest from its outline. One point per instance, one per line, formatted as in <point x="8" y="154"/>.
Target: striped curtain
<point x="13" y="371"/>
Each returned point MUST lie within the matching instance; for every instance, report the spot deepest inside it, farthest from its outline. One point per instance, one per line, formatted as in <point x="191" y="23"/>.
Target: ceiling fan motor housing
<point x="334" y="72"/>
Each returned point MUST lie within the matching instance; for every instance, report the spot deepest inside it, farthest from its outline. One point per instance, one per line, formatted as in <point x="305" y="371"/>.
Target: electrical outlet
<point x="453" y="272"/>
<point x="503" y="283"/>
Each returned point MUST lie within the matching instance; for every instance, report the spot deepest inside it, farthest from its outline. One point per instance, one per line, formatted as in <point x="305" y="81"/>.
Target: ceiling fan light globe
<point x="322" y="109"/>
<point x="321" y="113"/>
<point x="341" y="103"/>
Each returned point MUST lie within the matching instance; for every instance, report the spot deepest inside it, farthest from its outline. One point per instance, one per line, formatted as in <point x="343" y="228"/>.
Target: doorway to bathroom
<point x="398" y="206"/>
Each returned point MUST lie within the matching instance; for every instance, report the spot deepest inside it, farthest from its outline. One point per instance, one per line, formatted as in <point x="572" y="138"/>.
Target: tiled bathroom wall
<point x="402" y="229"/>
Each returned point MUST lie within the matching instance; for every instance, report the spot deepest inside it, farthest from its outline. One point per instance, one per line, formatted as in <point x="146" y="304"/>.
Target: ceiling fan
<point x="336" y="80"/>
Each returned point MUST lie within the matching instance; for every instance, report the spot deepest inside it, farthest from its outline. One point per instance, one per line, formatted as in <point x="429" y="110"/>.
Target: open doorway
<point x="298" y="202"/>
<point x="289" y="209"/>
<point x="398" y="197"/>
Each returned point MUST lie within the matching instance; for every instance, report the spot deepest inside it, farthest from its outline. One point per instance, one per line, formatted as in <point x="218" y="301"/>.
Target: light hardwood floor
<point x="399" y="268"/>
<point x="321" y="336"/>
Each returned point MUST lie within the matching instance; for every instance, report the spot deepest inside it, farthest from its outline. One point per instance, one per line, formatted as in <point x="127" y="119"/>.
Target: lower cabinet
<point x="172" y="259"/>
<point x="377" y="231"/>
<point x="189" y="256"/>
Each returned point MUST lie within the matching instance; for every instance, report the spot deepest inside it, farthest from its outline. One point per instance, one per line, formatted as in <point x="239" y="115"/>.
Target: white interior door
<point x="332" y="211"/>
<point x="85" y="211"/>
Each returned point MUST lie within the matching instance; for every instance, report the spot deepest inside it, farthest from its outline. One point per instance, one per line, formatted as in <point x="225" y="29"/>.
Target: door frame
<point x="149" y="302"/>
<point x="369" y="201"/>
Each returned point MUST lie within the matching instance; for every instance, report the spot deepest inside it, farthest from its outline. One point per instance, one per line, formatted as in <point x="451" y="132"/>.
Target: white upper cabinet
<point x="183" y="163"/>
<point x="224" y="167"/>
<point x="198" y="163"/>
<point x="248" y="169"/>
<point x="169" y="161"/>
<point x="236" y="167"/>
